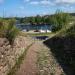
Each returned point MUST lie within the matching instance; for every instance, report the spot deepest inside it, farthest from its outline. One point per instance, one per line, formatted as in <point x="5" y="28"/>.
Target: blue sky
<point x="34" y="7"/>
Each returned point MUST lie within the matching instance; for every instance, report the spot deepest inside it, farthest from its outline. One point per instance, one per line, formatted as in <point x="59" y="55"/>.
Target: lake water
<point x="33" y="27"/>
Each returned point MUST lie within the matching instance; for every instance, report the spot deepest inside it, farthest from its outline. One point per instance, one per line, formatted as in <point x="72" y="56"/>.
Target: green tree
<point x="38" y="19"/>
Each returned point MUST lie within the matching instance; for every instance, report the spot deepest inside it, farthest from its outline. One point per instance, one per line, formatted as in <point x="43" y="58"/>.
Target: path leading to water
<point x="28" y="67"/>
<point x="31" y="66"/>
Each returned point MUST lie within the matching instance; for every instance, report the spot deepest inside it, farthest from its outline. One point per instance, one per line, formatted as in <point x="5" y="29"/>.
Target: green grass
<point x="19" y="62"/>
<point x="39" y="34"/>
<point x="35" y="34"/>
<point x="63" y="32"/>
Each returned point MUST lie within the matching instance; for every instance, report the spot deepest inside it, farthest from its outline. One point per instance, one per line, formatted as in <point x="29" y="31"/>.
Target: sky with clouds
<point x="23" y="8"/>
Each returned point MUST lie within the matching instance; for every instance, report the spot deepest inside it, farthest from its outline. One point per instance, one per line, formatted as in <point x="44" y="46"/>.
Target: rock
<point x="7" y="47"/>
<point x="2" y="56"/>
<point x="2" y="41"/>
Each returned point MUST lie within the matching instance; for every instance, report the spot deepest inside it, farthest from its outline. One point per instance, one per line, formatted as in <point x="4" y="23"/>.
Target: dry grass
<point x="47" y="63"/>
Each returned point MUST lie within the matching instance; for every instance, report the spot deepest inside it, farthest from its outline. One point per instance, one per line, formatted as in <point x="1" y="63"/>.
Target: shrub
<point x="8" y="30"/>
<point x="12" y="32"/>
<point x="59" y="20"/>
<point x="3" y="26"/>
<point x="71" y="31"/>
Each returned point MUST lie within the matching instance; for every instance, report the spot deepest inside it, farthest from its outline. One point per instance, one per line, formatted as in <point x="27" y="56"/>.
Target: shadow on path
<point x="63" y="49"/>
<point x="40" y="37"/>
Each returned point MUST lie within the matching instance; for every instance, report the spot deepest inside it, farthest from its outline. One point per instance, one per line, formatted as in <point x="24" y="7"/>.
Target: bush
<point x="8" y="30"/>
<point x="12" y="31"/>
<point x="71" y="31"/>
<point x="59" y="20"/>
<point x="3" y="26"/>
<point x="11" y="34"/>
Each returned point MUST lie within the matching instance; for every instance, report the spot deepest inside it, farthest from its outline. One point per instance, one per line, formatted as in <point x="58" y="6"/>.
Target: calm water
<point x="33" y="27"/>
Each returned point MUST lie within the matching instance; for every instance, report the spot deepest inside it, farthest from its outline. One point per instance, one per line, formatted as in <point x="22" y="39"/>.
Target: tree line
<point x="57" y="20"/>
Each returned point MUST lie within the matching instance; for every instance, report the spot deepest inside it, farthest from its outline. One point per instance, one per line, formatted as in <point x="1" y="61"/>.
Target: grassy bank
<point x="62" y="46"/>
<point x="35" y="34"/>
<point x="47" y="63"/>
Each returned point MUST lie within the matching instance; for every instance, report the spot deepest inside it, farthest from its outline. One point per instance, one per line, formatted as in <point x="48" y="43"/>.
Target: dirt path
<point x="28" y="67"/>
<point x="39" y="61"/>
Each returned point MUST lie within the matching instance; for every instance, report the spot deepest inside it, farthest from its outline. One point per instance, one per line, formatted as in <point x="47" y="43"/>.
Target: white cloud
<point x="34" y="2"/>
<point x="26" y="0"/>
<point x="52" y="3"/>
<point x="46" y="2"/>
<point x="65" y="1"/>
<point x="43" y="2"/>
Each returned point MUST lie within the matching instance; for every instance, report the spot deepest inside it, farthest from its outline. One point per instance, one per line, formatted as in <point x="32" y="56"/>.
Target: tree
<point x="38" y="19"/>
